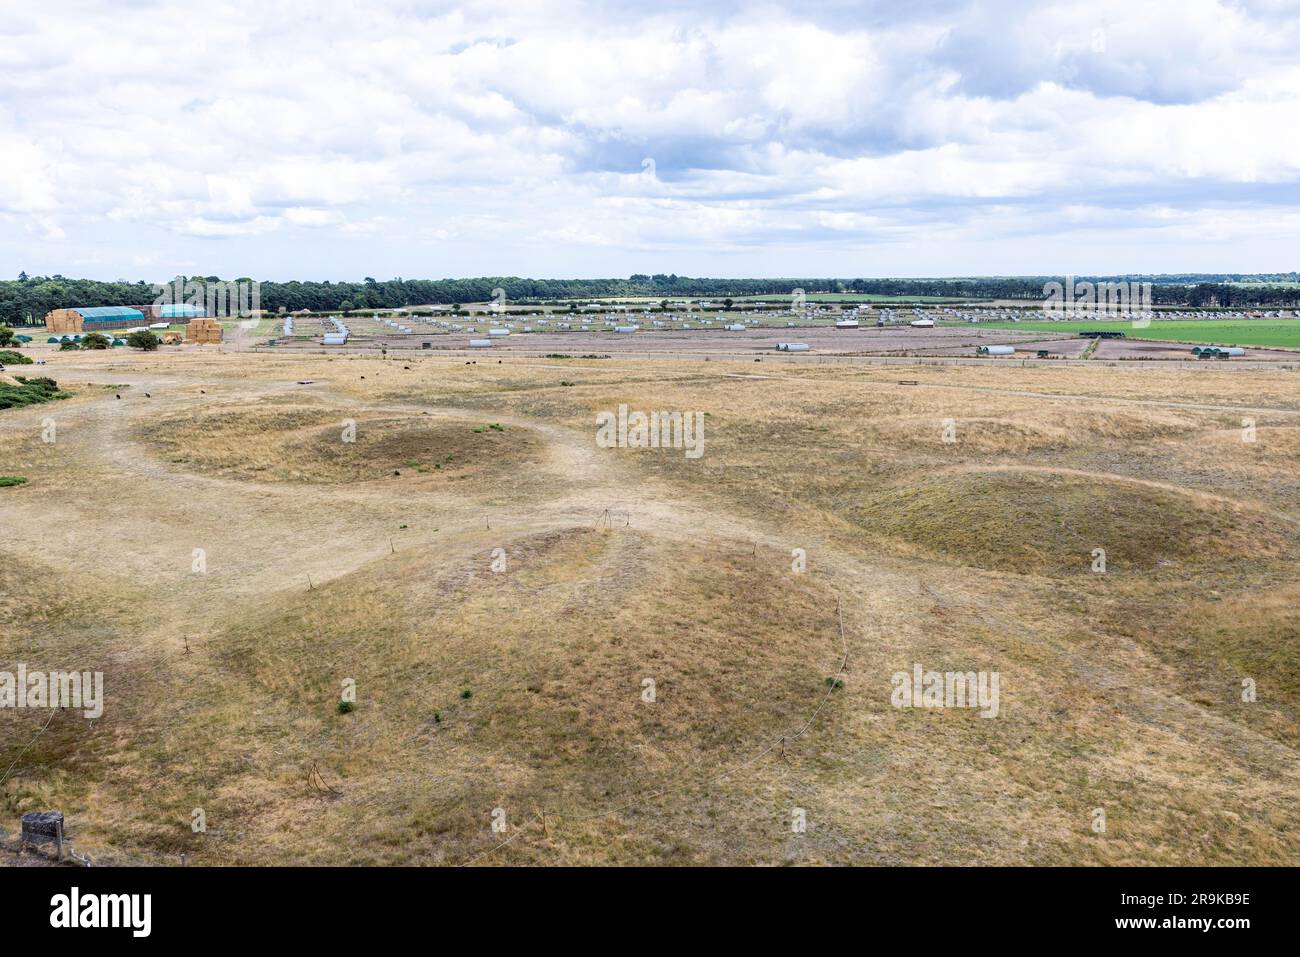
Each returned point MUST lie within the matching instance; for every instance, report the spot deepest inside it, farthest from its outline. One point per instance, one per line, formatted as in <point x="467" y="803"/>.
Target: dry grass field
<point x="499" y="589"/>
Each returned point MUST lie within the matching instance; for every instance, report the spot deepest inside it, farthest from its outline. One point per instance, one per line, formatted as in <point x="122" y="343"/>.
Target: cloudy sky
<point x="337" y="140"/>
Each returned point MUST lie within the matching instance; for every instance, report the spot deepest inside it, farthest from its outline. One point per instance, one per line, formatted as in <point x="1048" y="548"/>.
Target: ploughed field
<point x="552" y="651"/>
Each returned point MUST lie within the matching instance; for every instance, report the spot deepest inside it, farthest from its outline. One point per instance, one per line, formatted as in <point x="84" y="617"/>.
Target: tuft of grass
<point x="9" y="481"/>
<point x="345" y="706"/>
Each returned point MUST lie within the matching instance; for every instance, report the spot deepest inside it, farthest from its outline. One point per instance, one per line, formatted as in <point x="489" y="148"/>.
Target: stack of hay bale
<point x="203" y="330"/>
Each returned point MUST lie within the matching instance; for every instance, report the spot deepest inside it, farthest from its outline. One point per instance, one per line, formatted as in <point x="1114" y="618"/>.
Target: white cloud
<point x="505" y="138"/>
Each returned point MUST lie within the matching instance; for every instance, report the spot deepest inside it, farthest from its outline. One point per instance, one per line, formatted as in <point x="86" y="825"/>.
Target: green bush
<point x="29" y="392"/>
<point x="11" y="358"/>
<point x="95" y="340"/>
<point x="69" y="346"/>
<point x="6" y="335"/>
<point x="345" y="706"/>
<point x="143" y="339"/>
<point x="8" y="481"/>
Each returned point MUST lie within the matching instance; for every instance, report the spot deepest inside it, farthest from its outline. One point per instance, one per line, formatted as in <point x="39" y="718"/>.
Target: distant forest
<point x="27" y="299"/>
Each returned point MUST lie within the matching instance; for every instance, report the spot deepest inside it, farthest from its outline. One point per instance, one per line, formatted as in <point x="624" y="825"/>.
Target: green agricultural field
<point x="1231" y="332"/>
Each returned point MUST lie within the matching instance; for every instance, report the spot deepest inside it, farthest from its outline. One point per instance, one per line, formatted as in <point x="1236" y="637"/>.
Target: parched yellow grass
<point x="339" y="445"/>
<point x="1120" y="691"/>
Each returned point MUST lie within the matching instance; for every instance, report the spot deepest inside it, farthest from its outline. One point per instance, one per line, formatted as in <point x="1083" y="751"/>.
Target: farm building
<point x="203" y="330"/>
<point x="92" y="318"/>
<point x="173" y="312"/>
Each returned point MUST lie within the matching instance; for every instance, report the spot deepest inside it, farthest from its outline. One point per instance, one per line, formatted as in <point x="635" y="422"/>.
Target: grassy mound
<point x="1251" y="635"/>
<point x="10" y="358"/>
<point x="310" y="444"/>
<point x="1041" y="523"/>
<point x="521" y="690"/>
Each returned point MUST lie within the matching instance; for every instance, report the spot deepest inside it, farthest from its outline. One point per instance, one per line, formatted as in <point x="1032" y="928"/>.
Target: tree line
<point x="26" y="300"/>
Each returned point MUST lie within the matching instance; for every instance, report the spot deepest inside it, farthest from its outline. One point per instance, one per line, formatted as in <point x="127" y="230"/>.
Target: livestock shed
<point x="92" y="318"/>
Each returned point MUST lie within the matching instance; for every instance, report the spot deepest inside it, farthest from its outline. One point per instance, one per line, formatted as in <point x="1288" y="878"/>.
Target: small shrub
<point x="345" y="706"/>
<point x="835" y="684"/>
<point x="10" y="358"/>
<point x="142" y="339"/>
<point x="466" y="694"/>
<point x="29" y="392"/>
<point x="9" y="481"/>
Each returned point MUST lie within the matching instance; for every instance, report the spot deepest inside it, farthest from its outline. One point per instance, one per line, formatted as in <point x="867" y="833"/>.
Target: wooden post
<point x="42" y="827"/>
